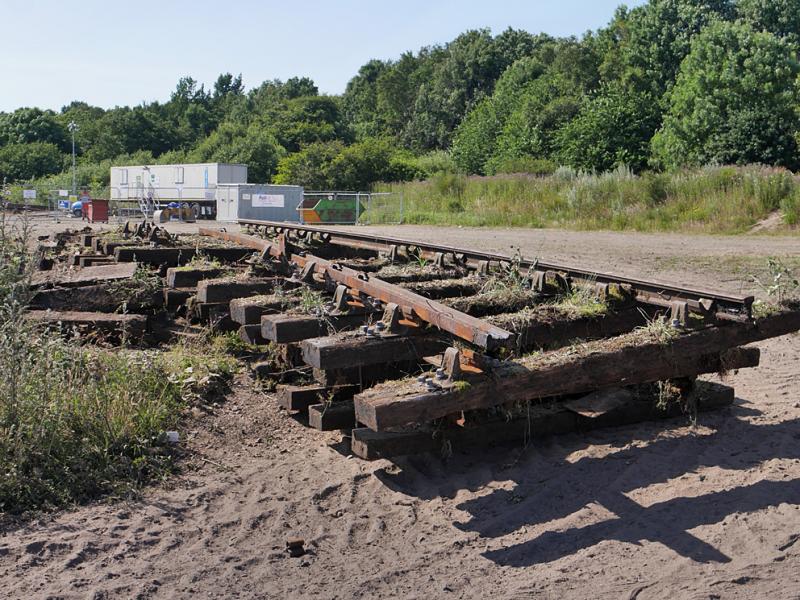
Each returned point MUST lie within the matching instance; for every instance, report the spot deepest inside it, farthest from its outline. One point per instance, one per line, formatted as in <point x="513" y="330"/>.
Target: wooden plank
<point x="107" y="247"/>
<point x="332" y="416"/>
<point x="411" y="276"/>
<point x="94" y="260"/>
<point x="226" y="289"/>
<point x="80" y="277"/>
<point x="445" y="318"/>
<point x="134" y="326"/>
<point x="366" y="375"/>
<point x="206" y="310"/>
<point x="154" y="256"/>
<point x="625" y="360"/>
<point x="176" y="256"/>
<point x="251" y="334"/>
<point x="352" y="350"/>
<point x="445" y="288"/>
<point x="492" y="303"/>
<point x="543" y="328"/>
<point x="184" y="277"/>
<point x="226" y="255"/>
<point x="283" y="328"/>
<point x="250" y="309"/>
<point x="542" y="421"/>
<point x="299" y="398"/>
<point x="175" y="297"/>
<point x="90" y="298"/>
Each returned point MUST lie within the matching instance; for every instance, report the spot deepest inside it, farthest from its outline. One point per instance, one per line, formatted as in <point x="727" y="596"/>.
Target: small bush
<point x="769" y="186"/>
<point x="449" y="184"/>
<point x="790" y="207"/>
<point x="656" y="187"/>
<point x="564" y="173"/>
<point x="437" y="161"/>
<point x="75" y="422"/>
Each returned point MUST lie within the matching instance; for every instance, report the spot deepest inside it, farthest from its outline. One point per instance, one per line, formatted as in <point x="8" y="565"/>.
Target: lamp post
<point x="73" y="127"/>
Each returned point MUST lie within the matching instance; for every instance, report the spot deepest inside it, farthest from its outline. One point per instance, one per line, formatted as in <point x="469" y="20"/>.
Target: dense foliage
<point x="663" y="85"/>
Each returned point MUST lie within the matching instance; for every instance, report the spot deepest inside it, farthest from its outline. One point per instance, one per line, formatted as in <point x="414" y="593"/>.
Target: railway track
<point x="649" y="291"/>
<point x="413" y="347"/>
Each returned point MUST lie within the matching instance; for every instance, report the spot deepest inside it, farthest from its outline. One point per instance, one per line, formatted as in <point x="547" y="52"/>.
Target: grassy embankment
<point x="78" y="421"/>
<point x="709" y="200"/>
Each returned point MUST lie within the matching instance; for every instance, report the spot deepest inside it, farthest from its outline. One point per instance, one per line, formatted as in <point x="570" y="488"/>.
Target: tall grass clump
<point x="790" y="207"/>
<point x="76" y="421"/>
<point x="716" y="199"/>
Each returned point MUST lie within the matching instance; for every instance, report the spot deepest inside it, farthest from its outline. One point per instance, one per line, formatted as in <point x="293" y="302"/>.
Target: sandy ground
<point x="658" y="510"/>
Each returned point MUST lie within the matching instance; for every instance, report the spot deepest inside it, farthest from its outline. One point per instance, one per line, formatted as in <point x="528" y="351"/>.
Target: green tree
<point x="358" y="166"/>
<point x="779" y="17"/>
<point x="28" y="125"/>
<point x="659" y="35"/>
<point x="87" y="118"/>
<point x="305" y="120"/>
<point x="530" y="128"/>
<point x="612" y="128"/>
<point x="735" y="101"/>
<point x="254" y="146"/>
<point x="309" y="166"/>
<point x="476" y="138"/>
<point x="127" y="130"/>
<point x="530" y="102"/>
<point x="360" y="100"/>
<point x="297" y="87"/>
<point x="398" y="86"/>
<point x="465" y="76"/>
<point x="20" y="162"/>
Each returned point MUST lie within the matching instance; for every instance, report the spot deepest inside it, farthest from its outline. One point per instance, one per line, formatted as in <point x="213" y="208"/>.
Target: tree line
<point x="669" y="84"/>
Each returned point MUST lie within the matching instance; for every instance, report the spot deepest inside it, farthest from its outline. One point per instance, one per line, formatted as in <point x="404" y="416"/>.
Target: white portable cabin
<point x="156" y="185"/>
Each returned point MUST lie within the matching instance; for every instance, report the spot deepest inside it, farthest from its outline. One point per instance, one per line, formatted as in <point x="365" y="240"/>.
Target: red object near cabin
<point x="96" y="210"/>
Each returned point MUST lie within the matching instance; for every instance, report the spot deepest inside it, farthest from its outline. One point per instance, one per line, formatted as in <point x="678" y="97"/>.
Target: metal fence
<point x="351" y="208"/>
<point x="137" y="202"/>
<point x="383" y="208"/>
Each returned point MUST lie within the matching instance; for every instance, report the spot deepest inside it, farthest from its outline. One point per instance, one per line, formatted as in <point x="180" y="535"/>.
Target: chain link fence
<point x="141" y="201"/>
<point x="351" y="208"/>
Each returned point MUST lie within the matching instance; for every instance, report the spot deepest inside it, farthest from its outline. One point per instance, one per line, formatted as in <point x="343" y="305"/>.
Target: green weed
<point x="706" y="200"/>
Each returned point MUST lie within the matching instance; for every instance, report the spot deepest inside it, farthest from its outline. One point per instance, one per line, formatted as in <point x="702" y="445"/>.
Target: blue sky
<point x="116" y="53"/>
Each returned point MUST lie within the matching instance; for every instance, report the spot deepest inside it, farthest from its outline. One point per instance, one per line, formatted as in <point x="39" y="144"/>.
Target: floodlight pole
<point x="73" y="127"/>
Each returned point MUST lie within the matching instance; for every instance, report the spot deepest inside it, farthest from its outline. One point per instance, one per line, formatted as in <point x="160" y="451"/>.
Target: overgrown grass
<point x="708" y="200"/>
<point x="77" y="421"/>
<point x="581" y="302"/>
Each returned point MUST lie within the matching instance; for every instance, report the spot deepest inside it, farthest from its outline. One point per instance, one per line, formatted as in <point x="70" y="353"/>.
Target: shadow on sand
<point x="547" y="484"/>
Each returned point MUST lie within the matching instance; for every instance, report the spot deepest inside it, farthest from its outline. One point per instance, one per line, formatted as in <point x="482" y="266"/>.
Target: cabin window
<point x="123" y="178"/>
<point x="178" y="174"/>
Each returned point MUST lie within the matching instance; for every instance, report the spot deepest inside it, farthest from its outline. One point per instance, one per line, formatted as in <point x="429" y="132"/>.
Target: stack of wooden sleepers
<point x="411" y="347"/>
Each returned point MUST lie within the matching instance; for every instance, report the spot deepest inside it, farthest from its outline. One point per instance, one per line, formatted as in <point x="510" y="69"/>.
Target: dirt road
<point x="649" y="511"/>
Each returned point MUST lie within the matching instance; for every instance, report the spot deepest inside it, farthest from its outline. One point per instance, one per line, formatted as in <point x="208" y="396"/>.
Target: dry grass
<point x="708" y="200"/>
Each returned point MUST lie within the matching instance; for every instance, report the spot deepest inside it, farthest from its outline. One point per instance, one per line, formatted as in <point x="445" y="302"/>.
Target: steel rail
<point x="474" y="330"/>
<point x="648" y="291"/>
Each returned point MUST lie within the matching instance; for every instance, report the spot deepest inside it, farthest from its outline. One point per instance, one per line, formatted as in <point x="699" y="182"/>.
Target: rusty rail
<point x="648" y="291"/>
<point x="468" y="328"/>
